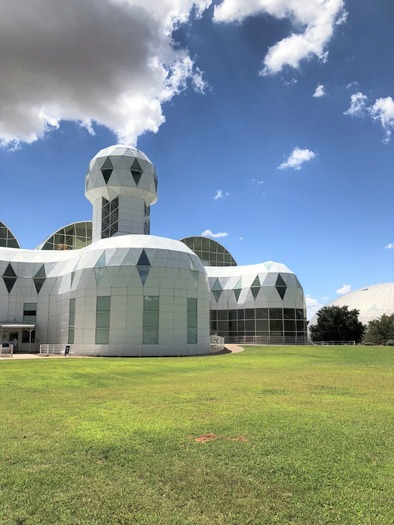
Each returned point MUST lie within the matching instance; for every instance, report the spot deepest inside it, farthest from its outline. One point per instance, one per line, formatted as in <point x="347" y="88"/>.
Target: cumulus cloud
<point x="220" y="194"/>
<point x="315" y="20"/>
<point x="382" y="110"/>
<point x="209" y="233"/>
<point x="297" y="158"/>
<point x="312" y="306"/>
<point x="319" y="91"/>
<point x="390" y="246"/>
<point x="111" y="62"/>
<point x="346" y="288"/>
<point x="358" y="105"/>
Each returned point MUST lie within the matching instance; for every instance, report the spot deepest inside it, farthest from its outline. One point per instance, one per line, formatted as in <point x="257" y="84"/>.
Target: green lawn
<point x="301" y="435"/>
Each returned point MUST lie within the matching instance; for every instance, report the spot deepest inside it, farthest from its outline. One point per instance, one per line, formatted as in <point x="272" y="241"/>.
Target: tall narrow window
<point x="191" y="320"/>
<point x="103" y="307"/>
<point x="150" y="334"/>
<point x="109" y="217"/>
<point x="71" y="321"/>
<point x="29" y="312"/>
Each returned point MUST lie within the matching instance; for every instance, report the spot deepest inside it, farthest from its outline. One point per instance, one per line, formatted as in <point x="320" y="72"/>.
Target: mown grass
<point x="304" y="435"/>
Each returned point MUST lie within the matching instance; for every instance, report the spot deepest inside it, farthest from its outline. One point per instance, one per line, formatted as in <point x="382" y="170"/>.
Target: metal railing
<point x="334" y="343"/>
<point x="6" y="350"/>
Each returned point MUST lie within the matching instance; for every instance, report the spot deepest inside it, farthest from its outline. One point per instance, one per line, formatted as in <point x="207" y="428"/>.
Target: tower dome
<point x="121" y="183"/>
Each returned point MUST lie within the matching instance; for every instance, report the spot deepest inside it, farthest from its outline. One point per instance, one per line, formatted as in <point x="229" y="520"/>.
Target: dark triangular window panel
<point x="106" y="174"/>
<point x="281" y="291"/>
<point x="38" y="283"/>
<point x="136" y="166"/>
<point x="136" y="176"/>
<point x="256" y="282"/>
<point x="143" y="272"/>
<point x="143" y="260"/>
<point x="237" y="292"/>
<point x="9" y="283"/>
<point x="156" y="184"/>
<point x="107" y="164"/>
<point x="41" y="273"/>
<point x="280" y="281"/>
<point x="217" y="286"/>
<point x="217" y="294"/>
<point x="255" y="291"/>
<point x="9" y="271"/>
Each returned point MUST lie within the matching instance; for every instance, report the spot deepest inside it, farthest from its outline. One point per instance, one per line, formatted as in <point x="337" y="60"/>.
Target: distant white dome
<point x="371" y="301"/>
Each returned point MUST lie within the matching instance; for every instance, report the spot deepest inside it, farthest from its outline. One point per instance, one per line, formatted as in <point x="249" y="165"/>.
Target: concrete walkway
<point x="234" y="349"/>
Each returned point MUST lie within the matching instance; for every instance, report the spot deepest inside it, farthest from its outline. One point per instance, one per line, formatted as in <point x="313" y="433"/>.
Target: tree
<point x="381" y="330"/>
<point x="337" y="323"/>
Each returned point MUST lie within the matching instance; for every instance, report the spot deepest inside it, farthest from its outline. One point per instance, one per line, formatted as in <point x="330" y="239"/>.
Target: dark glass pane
<point x="192" y="304"/>
<point x="103" y="303"/>
<point x="261" y="325"/>
<point x="289" y="313"/>
<point x="143" y="260"/>
<point x="232" y="315"/>
<point x="249" y="326"/>
<point x="151" y="303"/>
<point x="290" y="326"/>
<point x="261" y="313"/>
<point x="241" y="313"/>
<point x="276" y="325"/>
<point x="151" y="318"/>
<point x="249" y="313"/>
<point x="222" y="315"/>
<point x="191" y="335"/>
<point x="276" y="313"/>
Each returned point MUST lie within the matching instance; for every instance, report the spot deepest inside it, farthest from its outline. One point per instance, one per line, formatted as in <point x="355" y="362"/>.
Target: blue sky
<point x="269" y="123"/>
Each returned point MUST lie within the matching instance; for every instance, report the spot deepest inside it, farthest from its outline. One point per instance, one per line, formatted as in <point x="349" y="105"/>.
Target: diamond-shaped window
<point x="107" y="169"/>
<point x="238" y="288"/>
<point x="136" y="171"/>
<point x="281" y="286"/>
<point x="9" y="277"/>
<point x="107" y="174"/>
<point x="39" y="278"/>
<point x="255" y="287"/>
<point x="143" y="266"/>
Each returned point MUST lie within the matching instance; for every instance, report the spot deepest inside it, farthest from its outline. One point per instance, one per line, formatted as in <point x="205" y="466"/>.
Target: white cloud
<point x="346" y="288"/>
<point x="352" y="84"/>
<point x="317" y="18"/>
<point x="220" y="194"/>
<point x="312" y="306"/>
<point x="209" y="233"/>
<point x="111" y="62"/>
<point x="358" y="105"/>
<point x="390" y="246"/>
<point x="319" y="91"/>
<point x="297" y="158"/>
<point x="257" y="181"/>
<point x="382" y="110"/>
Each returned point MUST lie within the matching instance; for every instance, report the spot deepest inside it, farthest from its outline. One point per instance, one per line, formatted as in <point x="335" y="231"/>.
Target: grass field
<point x="272" y="435"/>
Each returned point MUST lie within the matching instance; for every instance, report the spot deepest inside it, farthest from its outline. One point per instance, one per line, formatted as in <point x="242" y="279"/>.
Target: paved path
<point x="234" y="349"/>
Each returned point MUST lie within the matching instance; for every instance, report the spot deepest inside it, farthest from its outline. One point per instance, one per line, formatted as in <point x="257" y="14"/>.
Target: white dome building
<point x="371" y="301"/>
<point x="109" y="288"/>
<point x="126" y="294"/>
